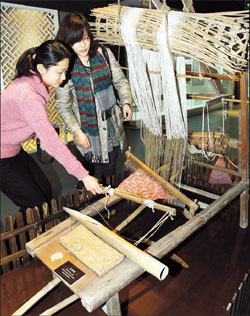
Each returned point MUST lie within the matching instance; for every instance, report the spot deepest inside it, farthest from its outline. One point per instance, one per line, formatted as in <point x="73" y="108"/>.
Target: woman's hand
<point x="127" y="112"/>
<point x="92" y="185"/>
<point x="82" y="139"/>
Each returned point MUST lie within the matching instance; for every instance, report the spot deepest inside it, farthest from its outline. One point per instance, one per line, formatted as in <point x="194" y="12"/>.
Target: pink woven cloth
<point x="218" y="177"/>
<point x="143" y="185"/>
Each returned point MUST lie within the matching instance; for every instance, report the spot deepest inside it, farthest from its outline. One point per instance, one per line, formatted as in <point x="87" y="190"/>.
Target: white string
<point x="224" y="115"/>
<point x="193" y="150"/>
<point x="154" y="229"/>
<point x="182" y="84"/>
<point x="174" y="123"/>
<point x="174" y="20"/>
<point x="138" y="77"/>
<point x="103" y="218"/>
<point x="208" y="155"/>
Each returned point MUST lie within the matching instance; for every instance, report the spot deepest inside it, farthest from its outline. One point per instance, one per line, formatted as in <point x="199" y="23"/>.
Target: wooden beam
<point x="54" y="309"/>
<point x="13" y="256"/>
<point x="129" y="218"/>
<point x="113" y="307"/>
<point x="244" y="134"/>
<point x="199" y="191"/>
<point x="26" y="306"/>
<point x="226" y="170"/>
<point x="174" y="238"/>
<point x="131" y="197"/>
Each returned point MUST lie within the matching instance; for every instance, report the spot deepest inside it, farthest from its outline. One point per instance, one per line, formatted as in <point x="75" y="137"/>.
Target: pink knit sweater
<point x="23" y="114"/>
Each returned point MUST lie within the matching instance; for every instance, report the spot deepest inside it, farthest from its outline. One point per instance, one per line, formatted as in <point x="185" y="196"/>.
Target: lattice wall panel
<point x="22" y="28"/>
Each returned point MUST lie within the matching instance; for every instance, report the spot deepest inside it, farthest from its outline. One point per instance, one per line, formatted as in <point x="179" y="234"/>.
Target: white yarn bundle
<point x="138" y="75"/>
<point x="174" y="120"/>
<point x="155" y="92"/>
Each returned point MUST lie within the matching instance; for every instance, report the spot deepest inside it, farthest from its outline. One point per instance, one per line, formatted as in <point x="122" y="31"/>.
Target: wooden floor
<point x="218" y="256"/>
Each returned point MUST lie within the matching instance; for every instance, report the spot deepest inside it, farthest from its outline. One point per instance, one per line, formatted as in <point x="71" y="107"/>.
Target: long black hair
<point x="48" y="54"/>
<point x="71" y="30"/>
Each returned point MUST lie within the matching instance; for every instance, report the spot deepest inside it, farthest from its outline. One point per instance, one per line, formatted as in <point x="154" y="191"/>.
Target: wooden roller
<point x="131" y="197"/>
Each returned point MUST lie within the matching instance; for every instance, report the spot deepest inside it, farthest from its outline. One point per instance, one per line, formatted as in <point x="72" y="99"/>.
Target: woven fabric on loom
<point x="91" y="250"/>
<point x="143" y="185"/>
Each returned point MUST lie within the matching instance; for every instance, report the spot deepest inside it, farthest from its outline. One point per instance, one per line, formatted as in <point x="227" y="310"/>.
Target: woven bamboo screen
<point x="216" y="39"/>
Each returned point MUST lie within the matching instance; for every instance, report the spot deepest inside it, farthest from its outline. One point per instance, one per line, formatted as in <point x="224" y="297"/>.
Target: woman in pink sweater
<point x="23" y="115"/>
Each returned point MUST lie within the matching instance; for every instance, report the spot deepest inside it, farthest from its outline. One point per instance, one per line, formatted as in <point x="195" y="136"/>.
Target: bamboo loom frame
<point x="112" y="282"/>
<point x="212" y="28"/>
<point x="173" y="239"/>
<point x="92" y="299"/>
<point x="105" y="289"/>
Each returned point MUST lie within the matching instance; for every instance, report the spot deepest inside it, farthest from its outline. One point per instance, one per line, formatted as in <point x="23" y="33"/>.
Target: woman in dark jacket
<point x="87" y="102"/>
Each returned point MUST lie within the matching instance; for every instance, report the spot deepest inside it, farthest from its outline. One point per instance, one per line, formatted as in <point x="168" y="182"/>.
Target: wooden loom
<point x="68" y="239"/>
<point x="94" y="290"/>
<point x="48" y="245"/>
<point x="97" y="290"/>
<point x="105" y="289"/>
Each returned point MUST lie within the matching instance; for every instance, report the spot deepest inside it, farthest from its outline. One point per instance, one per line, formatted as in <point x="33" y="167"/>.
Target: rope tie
<point x="150" y="204"/>
<point x="202" y="215"/>
<point x="108" y="191"/>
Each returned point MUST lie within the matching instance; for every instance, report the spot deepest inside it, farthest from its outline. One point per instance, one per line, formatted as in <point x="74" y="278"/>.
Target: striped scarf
<point x="91" y="82"/>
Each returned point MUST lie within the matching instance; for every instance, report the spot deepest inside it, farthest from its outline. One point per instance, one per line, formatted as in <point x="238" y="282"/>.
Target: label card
<point x="69" y="273"/>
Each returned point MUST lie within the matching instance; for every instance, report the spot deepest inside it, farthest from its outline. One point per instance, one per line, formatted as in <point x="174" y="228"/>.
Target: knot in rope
<point x="150" y="204"/>
<point x="110" y="191"/>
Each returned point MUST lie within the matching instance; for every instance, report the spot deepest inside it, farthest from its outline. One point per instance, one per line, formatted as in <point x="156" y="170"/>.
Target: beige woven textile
<point x="91" y="250"/>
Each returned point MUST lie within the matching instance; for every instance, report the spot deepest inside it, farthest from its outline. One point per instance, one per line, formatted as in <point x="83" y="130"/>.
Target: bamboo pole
<point x="37" y="297"/>
<point x="198" y="75"/>
<point x="206" y="97"/>
<point x="203" y="164"/>
<point x="129" y="218"/>
<point x="60" y="305"/>
<point x="244" y="154"/>
<point x="136" y="199"/>
<point x="174" y="238"/>
<point x="163" y="182"/>
<point x="199" y="191"/>
<point x="148" y="263"/>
